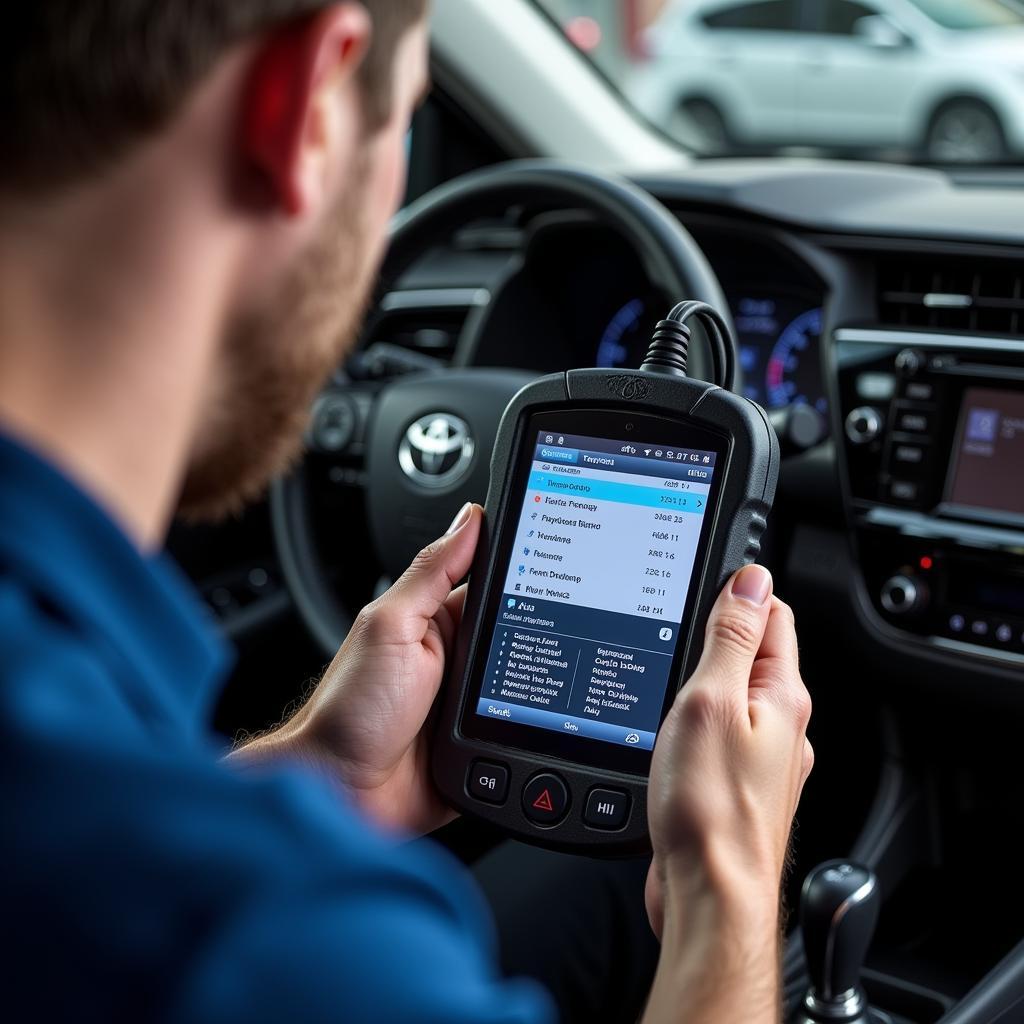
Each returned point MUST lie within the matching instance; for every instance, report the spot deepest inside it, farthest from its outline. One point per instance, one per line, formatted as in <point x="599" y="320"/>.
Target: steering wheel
<point x="429" y="435"/>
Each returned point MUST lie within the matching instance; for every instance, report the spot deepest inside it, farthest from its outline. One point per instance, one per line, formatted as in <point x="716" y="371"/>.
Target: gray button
<point x="903" y="490"/>
<point x="908" y="454"/>
<point x="914" y="422"/>
<point x="488" y="782"/>
<point x="919" y="391"/>
<point x="606" y="809"/>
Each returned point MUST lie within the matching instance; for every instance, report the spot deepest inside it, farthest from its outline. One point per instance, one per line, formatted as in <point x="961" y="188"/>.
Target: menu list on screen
<point x="595" y="588"/>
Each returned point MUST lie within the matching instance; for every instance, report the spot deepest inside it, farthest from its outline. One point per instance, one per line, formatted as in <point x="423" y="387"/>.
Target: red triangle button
<point x="543" y="802"/>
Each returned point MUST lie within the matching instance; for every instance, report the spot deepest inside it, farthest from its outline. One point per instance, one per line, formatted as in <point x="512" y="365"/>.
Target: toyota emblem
<point x="437" y="451"/>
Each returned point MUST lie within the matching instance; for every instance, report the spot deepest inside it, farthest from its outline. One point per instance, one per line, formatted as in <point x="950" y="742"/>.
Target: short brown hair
<point x="81" y="81"/>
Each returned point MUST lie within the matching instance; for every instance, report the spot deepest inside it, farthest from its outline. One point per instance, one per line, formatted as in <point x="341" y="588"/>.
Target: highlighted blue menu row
<point x="584" y="489"/>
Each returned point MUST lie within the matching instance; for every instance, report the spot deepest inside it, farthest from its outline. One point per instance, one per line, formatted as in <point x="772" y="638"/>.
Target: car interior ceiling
<point x="917" y="750"/>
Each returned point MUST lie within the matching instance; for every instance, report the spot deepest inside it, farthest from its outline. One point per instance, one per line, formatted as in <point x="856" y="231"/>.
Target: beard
<point x="273" y="364"/>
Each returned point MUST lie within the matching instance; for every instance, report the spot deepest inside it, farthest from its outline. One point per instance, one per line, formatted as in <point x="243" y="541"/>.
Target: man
<point x="194" y="197"/>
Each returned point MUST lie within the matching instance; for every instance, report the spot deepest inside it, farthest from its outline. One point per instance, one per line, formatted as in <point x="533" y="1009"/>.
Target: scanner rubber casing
<point x="740" y="519"/>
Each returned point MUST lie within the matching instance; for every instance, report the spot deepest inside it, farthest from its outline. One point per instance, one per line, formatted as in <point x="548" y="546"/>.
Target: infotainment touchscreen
<point x="605" y="541"/>
<point x="988" y="465"/>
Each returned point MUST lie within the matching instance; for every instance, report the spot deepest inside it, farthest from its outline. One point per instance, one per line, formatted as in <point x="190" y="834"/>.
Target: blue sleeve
<point x="145" y="880"/>
<point x="391" y="934"/>
<point x="383" y="949"/>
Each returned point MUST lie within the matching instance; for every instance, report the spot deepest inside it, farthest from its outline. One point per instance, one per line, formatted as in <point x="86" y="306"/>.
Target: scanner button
<point x="488" y="782"/>
<point x="545" y="799"/>
<point x="606" y="809"/>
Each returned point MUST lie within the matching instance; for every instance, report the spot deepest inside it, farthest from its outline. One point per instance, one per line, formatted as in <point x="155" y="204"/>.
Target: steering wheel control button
<point x="545" y="799"/>
<point x="488" y="782"/>
<point x="607" y="809"/>
<point x="437" y="451"/>
<point x="334" y="424"/>
<point x="863" y="425"/>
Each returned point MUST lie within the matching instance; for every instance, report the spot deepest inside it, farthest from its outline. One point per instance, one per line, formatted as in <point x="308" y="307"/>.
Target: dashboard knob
<point x="910" y="361"/>
<point x="863" y="425"/>
<point x="901" y="594"/>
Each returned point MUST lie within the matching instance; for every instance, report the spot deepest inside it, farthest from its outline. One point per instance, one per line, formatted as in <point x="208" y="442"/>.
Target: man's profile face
<point x="275" y="358"/>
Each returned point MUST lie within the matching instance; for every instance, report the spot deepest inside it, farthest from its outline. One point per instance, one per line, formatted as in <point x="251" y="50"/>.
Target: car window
<point x="764" y="15"/>
<point x="972" y="14"/>
<point x="840" y="16"/>
<point x="931" y="82"/>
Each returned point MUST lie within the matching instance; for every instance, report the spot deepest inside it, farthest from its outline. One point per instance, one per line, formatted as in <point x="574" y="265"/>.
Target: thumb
<point x="736" y="628"/>
<point x="438" y="568"/>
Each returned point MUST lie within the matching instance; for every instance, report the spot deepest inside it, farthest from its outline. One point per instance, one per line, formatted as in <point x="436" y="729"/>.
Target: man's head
<point x="310" y="101"/>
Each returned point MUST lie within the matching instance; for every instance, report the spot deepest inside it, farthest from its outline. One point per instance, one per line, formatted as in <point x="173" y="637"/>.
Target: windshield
<point x="913" y="81"/>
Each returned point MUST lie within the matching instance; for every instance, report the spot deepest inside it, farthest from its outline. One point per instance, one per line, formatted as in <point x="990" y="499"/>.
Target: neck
<point x="109" y="319"/>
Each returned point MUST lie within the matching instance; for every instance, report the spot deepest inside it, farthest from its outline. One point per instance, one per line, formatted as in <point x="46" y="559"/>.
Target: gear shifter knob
<point x="838" y="911"/>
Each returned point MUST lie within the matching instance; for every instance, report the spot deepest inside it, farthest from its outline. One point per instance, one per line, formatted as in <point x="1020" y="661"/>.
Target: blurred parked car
<point x="940" y="79"/>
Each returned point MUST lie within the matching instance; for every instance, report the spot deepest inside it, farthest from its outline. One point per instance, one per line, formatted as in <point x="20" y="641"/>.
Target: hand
<point x="366" y="721"/>
<point x="731" y="762"/>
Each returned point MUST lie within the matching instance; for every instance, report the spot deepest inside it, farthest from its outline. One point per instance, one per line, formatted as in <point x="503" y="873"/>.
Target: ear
<point x="288" y="100"/>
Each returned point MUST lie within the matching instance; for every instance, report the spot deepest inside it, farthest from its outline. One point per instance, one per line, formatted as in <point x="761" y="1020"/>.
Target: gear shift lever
<point x="838" y="911"/>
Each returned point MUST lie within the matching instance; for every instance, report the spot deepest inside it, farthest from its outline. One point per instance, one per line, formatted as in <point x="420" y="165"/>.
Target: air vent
<point x="946" y="293"/>
<point x="428" y="322"/>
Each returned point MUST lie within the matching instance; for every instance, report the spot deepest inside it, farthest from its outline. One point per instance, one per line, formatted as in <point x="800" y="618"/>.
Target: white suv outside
<point x="942" y="79"/>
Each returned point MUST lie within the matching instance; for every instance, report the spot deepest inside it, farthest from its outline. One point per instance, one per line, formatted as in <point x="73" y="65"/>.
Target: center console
<point x="932" y="433"/>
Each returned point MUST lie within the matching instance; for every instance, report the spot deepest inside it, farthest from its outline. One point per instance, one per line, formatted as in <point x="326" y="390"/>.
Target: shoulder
<point x="51" y="675"/>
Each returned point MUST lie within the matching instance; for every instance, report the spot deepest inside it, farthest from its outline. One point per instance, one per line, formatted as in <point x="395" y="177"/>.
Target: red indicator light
<point x="926" y="562"/>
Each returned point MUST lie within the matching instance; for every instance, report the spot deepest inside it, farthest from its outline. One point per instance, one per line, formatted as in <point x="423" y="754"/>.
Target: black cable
<point x="670" y="344"/>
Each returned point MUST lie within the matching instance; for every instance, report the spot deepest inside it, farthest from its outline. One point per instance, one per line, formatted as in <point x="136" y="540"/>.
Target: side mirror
<point x="877" y="31"/>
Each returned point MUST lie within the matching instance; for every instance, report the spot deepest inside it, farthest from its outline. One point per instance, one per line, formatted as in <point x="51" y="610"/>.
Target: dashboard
<point x="580" y="298"/>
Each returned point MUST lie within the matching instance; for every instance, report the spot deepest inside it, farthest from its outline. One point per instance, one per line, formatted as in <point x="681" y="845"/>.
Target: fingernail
<point x="753" y="583"/>
<point x="461" y="519"/>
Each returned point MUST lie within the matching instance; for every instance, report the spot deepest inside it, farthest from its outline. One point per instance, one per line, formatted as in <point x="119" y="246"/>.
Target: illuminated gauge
<point x="793" y="376"/>
<point x="621" y="335"/>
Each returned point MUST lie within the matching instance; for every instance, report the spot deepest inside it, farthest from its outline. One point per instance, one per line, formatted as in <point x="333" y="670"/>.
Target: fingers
<point x="654" y="901"/>
<point x="736" y="630"/>
<point x="808" y="762"/>
<point x="776" y="674"/>
<point x="426" y="586"/>
<point x="779" y="640"/>
<point x="449" y="618"/>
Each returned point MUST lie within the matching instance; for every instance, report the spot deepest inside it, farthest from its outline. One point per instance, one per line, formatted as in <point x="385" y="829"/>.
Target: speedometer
<point x="793" y="372"/>
<point x="621" y="337"/>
